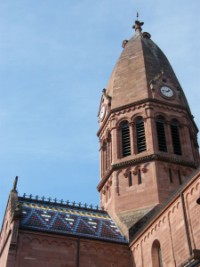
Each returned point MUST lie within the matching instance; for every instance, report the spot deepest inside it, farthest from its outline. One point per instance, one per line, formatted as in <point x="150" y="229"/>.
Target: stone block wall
<point x="176" y="229"/>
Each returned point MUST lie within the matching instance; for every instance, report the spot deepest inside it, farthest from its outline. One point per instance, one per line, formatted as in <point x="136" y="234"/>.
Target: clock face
<point x="102" y="112"/>
<point x="166" y="91"/>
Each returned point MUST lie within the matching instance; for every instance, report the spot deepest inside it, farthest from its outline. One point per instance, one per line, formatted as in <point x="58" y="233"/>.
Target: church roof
<point x="66" y="219"/>
<point x="140" y="64"/>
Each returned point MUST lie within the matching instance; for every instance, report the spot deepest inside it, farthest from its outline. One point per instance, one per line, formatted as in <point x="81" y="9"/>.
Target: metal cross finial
<point x="138" y="24"/>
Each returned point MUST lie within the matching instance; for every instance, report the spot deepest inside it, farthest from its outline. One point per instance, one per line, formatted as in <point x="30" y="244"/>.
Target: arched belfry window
<point x="105" y="157"/>
<point x="175" y="134"/>
<point x="109" y="149"/>
<point x="140" y="135"/>
<point x="107" y="154"/>
<point x="125" y="139"/>
<point x="156" y="254"/>
<point x="160" y="127"/>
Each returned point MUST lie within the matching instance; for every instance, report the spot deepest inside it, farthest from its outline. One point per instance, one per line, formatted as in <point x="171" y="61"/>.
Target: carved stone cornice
<point x="147" y="158"/>
<point x="167" y="158"/>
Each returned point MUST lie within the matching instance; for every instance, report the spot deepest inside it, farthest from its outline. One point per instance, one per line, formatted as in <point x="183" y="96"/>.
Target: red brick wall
<point x="9" y="232"/>
<point x="44" y="250"/>
<point x="169" y="228"/>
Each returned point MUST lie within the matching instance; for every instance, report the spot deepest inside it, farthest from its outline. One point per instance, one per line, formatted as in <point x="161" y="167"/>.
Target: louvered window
<point x="162" y="146"/>
<point x="176" y="138"/>
<point x="140" y="135"/>
<point x="125" y="139"/>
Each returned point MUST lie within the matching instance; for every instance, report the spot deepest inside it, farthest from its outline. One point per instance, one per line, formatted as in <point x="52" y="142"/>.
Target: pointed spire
<point x="138" y="24"/>
<point x="15" y="184"/>
<point x="13" y="196"/>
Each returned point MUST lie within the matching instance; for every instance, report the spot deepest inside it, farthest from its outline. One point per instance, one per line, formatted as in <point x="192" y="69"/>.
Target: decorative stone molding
<point x="144" y="159"/>
<point x="42" y="240"/>
<point x="144" y="169"/>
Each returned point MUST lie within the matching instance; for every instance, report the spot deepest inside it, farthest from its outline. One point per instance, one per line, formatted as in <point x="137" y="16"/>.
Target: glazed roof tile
<point x="68" y="220"/>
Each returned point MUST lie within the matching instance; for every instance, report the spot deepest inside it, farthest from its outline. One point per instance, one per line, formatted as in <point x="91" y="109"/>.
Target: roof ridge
<point x="60" y="203"/>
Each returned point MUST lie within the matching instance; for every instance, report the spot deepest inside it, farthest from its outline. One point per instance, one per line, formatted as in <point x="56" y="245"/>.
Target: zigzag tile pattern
<point x="68" y="220"/>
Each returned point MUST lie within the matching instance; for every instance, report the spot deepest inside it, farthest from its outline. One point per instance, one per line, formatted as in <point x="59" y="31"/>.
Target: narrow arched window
<point x="139" y="176"/>
<point x="176" y="137"/>
<point x="170" y="176"/>
<point x="110" y="149"/>
<point x="105" y="157"/>
<point x="179" y="177"/>
<point x="160" y="127"/>
<point x="156" y="254"/>
<point x="125" y="139"/>
<point x="106" y="154"/>
<point x="130" y="181"/>
<point x="140" y="135"/>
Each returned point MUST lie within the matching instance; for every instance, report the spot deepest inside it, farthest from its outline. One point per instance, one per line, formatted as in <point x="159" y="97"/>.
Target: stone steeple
<point x="147" y="134"/>
<point x="141" y="65"/>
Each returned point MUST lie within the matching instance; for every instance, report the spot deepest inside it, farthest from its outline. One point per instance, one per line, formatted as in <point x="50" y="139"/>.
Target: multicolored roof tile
<point x="64" y="219"/>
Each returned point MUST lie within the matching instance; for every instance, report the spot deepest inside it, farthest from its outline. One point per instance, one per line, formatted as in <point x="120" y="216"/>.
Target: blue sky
<point x="55" y="59"/>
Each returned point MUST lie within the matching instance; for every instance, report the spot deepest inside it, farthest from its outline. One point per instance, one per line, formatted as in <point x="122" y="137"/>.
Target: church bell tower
<point x="148" y="138"/>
